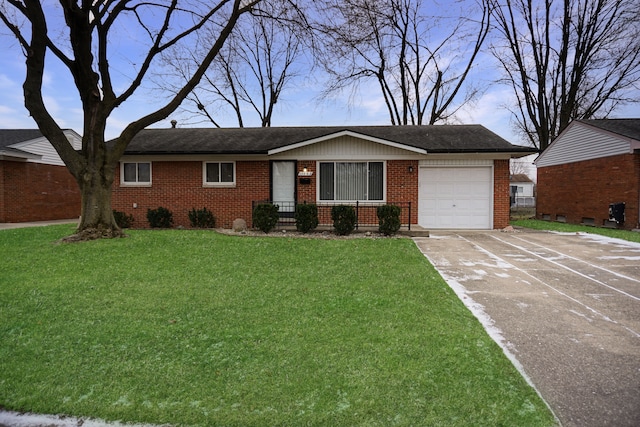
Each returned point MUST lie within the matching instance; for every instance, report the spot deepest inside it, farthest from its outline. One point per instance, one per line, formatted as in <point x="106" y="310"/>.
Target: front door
<point x="283" y="186"/>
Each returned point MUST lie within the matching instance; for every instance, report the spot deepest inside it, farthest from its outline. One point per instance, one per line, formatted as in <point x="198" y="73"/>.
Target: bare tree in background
<point x="250" y="73"/>
<point x="419" y="57"/>
<point x="79" y="34"/>
<point x="521" y="166"/>
<point x="566" y="60"/>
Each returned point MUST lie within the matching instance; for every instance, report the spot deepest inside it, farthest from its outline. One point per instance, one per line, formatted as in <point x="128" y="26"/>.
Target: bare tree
<point x="420" y="61"/>
<point x="521" y="166"/>
<point x="252" y="70"/>
<point x="80" y="39"/>
<point x="567" y="59"/>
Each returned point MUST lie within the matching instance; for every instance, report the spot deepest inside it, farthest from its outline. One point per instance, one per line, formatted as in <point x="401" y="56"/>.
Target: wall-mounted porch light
<point x="305" y="172"/>
<point x="410" y="169"/>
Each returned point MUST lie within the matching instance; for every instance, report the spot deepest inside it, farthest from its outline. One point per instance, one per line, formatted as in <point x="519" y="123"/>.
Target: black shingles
<point x="434" y="139"/>
<point x="14" y="136"/>
<point x="625" y="127"/>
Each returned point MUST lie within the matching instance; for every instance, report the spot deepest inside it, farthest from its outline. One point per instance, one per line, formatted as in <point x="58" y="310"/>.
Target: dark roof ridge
<point x="257" y="140"/>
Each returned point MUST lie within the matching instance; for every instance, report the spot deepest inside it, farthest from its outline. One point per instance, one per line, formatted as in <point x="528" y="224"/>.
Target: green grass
<point x="196" y="328"/>
<point x="632" y="236"/>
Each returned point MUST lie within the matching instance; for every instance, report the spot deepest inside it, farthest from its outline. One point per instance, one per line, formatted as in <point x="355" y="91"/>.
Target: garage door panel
<point x="453" y="198"/>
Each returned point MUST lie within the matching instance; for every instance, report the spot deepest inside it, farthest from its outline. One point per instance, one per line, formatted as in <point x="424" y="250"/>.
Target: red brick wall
<point x="585" y="189"/>
<point x="307" y="192"/>
<point x="37" y="192"/>
<point x="501" y="200"/>
<point x="177" y="186"/>
<point x="402" y="186"/>
<point x="2" y="191"/>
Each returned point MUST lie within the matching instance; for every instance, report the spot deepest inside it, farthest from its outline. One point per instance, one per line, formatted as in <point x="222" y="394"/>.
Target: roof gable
<point x="346" y="133"/>
<point x="31" y="145"/>
<point x="629" y="128"/>
<point x="591" y="139"/>
<point x="10" y="137"/>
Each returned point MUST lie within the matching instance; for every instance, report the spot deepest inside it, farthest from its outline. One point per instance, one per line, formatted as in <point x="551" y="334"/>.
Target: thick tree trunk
<point x="96" y="221"/>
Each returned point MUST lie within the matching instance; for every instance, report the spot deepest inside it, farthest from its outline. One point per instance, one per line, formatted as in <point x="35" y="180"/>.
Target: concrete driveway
<point x="565" y="306"/>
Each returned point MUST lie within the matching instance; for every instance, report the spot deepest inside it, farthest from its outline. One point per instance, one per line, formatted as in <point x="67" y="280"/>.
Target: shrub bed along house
<point x="344" y="219"/>
<point x="265" y="217"/>
<point x="388" y="219"/>
<point x="160" y="218"/>
<point x="202" y="218"/>
<point x="306" y="217"/>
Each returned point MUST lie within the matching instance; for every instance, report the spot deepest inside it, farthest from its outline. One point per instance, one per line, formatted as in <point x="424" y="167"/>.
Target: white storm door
<point x="283" y="181"/>
<point x="455" y="198"/>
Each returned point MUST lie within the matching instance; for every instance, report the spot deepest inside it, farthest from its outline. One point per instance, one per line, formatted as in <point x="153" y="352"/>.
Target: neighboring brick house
<point x="590" y="166"/>
<point x="442" y="176"/>
<point x="34" y="183"/>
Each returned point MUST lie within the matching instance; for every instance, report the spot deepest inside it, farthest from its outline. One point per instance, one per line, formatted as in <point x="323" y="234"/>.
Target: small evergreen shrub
<point x="160" y="218"/>
<point x="306" y="217"/>
<point x="202" y="218"/>
<point x="265" y="217"/>
<point x="388" y="219"/>
<point x="122" y="219"/>
<point x="344" y="219"/>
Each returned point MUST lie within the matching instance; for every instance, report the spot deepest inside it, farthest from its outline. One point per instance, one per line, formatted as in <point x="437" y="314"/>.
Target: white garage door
<point x="455" y="198"/>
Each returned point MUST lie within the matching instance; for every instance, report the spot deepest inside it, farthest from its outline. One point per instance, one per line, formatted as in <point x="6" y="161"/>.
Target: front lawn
<point x="196" y="328"/>
<point x="536" y="224"/>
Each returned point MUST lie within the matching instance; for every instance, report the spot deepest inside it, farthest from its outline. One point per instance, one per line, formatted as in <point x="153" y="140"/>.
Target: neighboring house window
<point x="135" y="173"/>
<point x="351" y="181"/>
<point x="219" y="173"/>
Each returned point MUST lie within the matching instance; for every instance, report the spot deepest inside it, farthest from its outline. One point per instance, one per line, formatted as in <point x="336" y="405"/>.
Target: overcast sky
<point x="299" y="105"/>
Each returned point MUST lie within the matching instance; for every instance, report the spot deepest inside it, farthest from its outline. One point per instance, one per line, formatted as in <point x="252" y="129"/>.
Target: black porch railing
<point x="366" y="212"/>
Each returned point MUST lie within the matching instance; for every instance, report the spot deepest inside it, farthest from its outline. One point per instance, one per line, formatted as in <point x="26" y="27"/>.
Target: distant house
<point x="443" y="177"/>
<point x="591" y="168"/>
<point x="34" y="183"/>
<point x="522" y="190"/>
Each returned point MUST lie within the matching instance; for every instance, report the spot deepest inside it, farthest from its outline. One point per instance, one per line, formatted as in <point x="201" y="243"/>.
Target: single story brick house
<point x="590" y="166"/>
<point x="34" y="183"/>
<point x="446" y="177"/>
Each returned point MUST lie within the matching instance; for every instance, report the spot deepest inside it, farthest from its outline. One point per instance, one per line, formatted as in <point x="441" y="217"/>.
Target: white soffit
<point x="346" y="133"/>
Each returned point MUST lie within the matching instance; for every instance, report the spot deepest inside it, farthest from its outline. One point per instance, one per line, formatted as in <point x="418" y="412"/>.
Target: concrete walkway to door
<point x="566" y="306"/>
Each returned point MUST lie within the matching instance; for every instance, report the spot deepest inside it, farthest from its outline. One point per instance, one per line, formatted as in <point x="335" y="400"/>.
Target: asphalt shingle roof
<point x="14" y="136"/>
<point x="434" y="139"/>
<point x="625" y="127"/>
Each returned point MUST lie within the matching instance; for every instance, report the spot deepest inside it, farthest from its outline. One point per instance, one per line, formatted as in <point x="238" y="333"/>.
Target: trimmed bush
<point x="160" y="218"/>
<point x="306" y="217"/>
<point x="122" y="219"/>
<point x="388" y="219"/>
<point x="344" y="219"/>
<point x="265" y="217"/>
<point x="202" y="218"/>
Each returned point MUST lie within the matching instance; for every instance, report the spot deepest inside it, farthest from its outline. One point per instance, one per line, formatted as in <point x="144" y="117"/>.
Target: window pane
<point x="226" y="172"/>
<point x="144" y="172"/>
<point x="376" y="180"/>
<point x="351" y="181"/>
<point x="213" y="172"/>
<point x="326" y="181"/>
<point x="129" y="172"/>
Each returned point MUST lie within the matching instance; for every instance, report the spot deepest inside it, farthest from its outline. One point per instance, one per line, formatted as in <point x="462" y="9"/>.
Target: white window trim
<point x="124" y="183"/>
<point x="347" y="202"/>
<point x="218" y="184"/>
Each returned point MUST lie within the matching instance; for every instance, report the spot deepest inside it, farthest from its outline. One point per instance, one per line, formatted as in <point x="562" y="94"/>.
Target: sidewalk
<point x="10" y="225"/>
